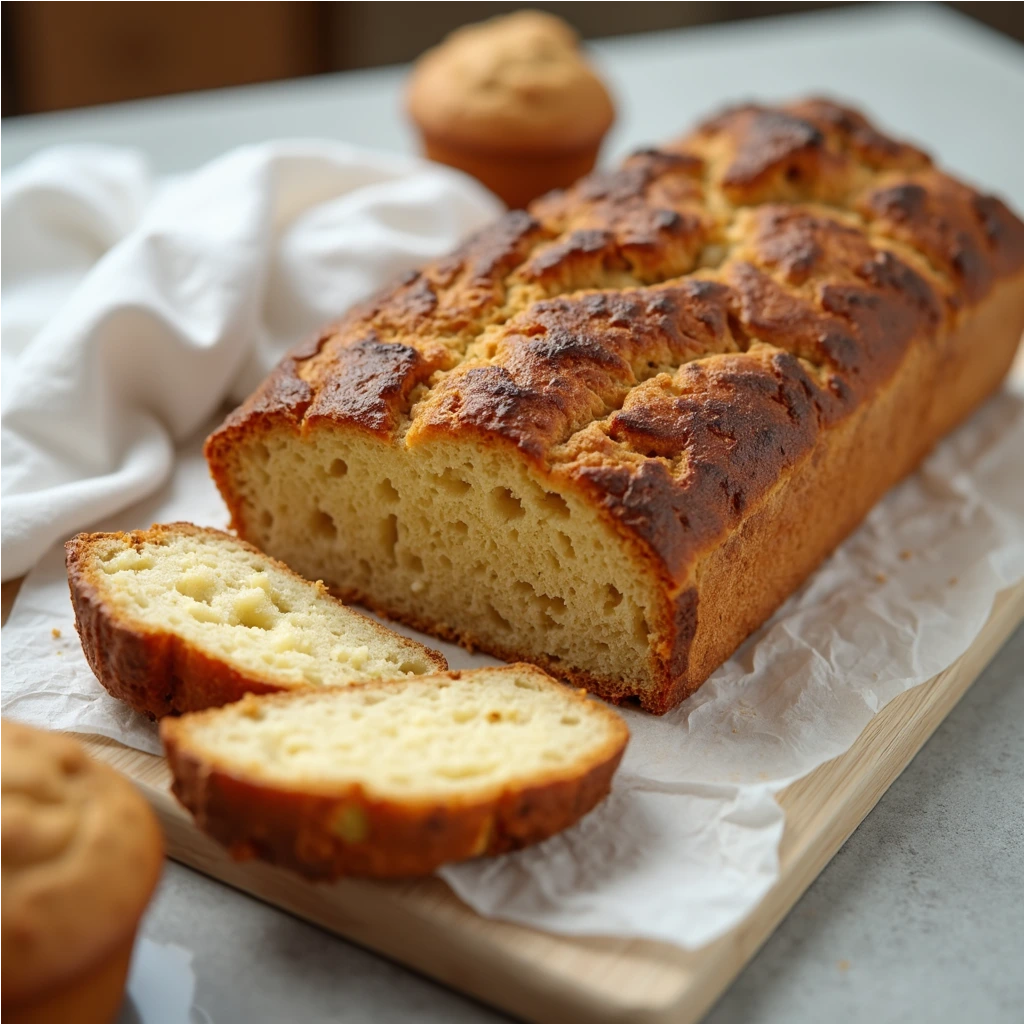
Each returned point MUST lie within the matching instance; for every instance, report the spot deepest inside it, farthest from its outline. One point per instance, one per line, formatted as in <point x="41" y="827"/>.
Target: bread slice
<point x="398" y="777"/>
<point x="178" y="618"/>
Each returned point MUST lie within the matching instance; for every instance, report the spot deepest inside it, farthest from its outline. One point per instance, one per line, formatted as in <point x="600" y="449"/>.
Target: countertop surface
<point x="919" y="917"/>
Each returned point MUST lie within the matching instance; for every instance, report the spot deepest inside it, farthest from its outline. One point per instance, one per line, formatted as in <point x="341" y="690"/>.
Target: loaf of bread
<point x="82" y="854"/>
<point x="178" y="618"/>
<point x="610" y="435"/>
<point x="395" y="778"/>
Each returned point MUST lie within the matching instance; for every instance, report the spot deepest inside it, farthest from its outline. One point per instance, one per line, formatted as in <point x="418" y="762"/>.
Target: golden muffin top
<point x="518" y="82"/>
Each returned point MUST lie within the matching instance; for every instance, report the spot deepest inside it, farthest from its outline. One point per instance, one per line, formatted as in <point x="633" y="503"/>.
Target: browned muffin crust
<point x="517" y="84"/>
<point x="676" y="339"/>
<point x="82" y="854"/>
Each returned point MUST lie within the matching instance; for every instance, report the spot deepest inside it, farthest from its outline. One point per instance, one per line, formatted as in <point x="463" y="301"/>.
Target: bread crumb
<point x="843" y="965"/>
<point x="906" y="555"/>
<point x="953" y="581"/>
<point x="880" y="577"/>
<point x="55" y="633"/>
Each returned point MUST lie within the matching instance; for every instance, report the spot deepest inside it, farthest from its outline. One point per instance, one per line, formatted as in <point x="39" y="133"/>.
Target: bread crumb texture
<point x="227" y="600"/>
<point x="427" y="739"/>
<point x="463" y="532"/>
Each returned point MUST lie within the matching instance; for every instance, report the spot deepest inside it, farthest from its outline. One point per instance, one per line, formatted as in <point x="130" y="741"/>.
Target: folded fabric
<point x="132" y="307"/>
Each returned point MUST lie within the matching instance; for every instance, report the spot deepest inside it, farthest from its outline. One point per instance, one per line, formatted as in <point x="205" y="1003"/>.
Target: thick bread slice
<point x="178" y="618"/>
<point x="398" y="777"/>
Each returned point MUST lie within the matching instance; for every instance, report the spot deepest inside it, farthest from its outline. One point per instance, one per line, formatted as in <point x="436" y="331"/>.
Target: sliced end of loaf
<point x="177" y="618"/>
<point x="395" y="778"/>
<point x="462" y="540"/>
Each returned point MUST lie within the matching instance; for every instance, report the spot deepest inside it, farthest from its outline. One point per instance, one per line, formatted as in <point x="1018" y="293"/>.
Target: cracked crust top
<point x="671" y="336"/>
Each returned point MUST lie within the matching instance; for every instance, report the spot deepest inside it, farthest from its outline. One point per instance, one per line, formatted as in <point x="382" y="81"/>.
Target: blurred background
<point x="56" y="56"/>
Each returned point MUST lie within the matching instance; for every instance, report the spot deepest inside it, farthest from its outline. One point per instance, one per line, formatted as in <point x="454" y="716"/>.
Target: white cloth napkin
<point x="132" y="308"/>
<point x="160" y="327"/>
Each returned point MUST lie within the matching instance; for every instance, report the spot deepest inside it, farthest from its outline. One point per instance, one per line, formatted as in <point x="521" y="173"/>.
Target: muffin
<point x="512" y="102"/>
<point x="81" y="855"/>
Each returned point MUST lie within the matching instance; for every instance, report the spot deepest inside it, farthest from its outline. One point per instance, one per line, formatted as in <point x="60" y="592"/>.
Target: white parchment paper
<point x="687" y="844"/>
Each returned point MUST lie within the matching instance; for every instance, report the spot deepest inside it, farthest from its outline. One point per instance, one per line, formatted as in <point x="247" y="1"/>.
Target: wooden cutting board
<point x="547" y="978"/>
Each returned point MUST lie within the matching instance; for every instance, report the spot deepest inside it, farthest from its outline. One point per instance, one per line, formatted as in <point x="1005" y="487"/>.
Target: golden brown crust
<point x="510" y="85"/>
<point x="297" y="829"/>
<point x="82" y="854"/>
<point x="812" y="150"/>
<point x="971" y="240"/>
<point x="676" y="338"/>
<point x="156" y="671"/>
